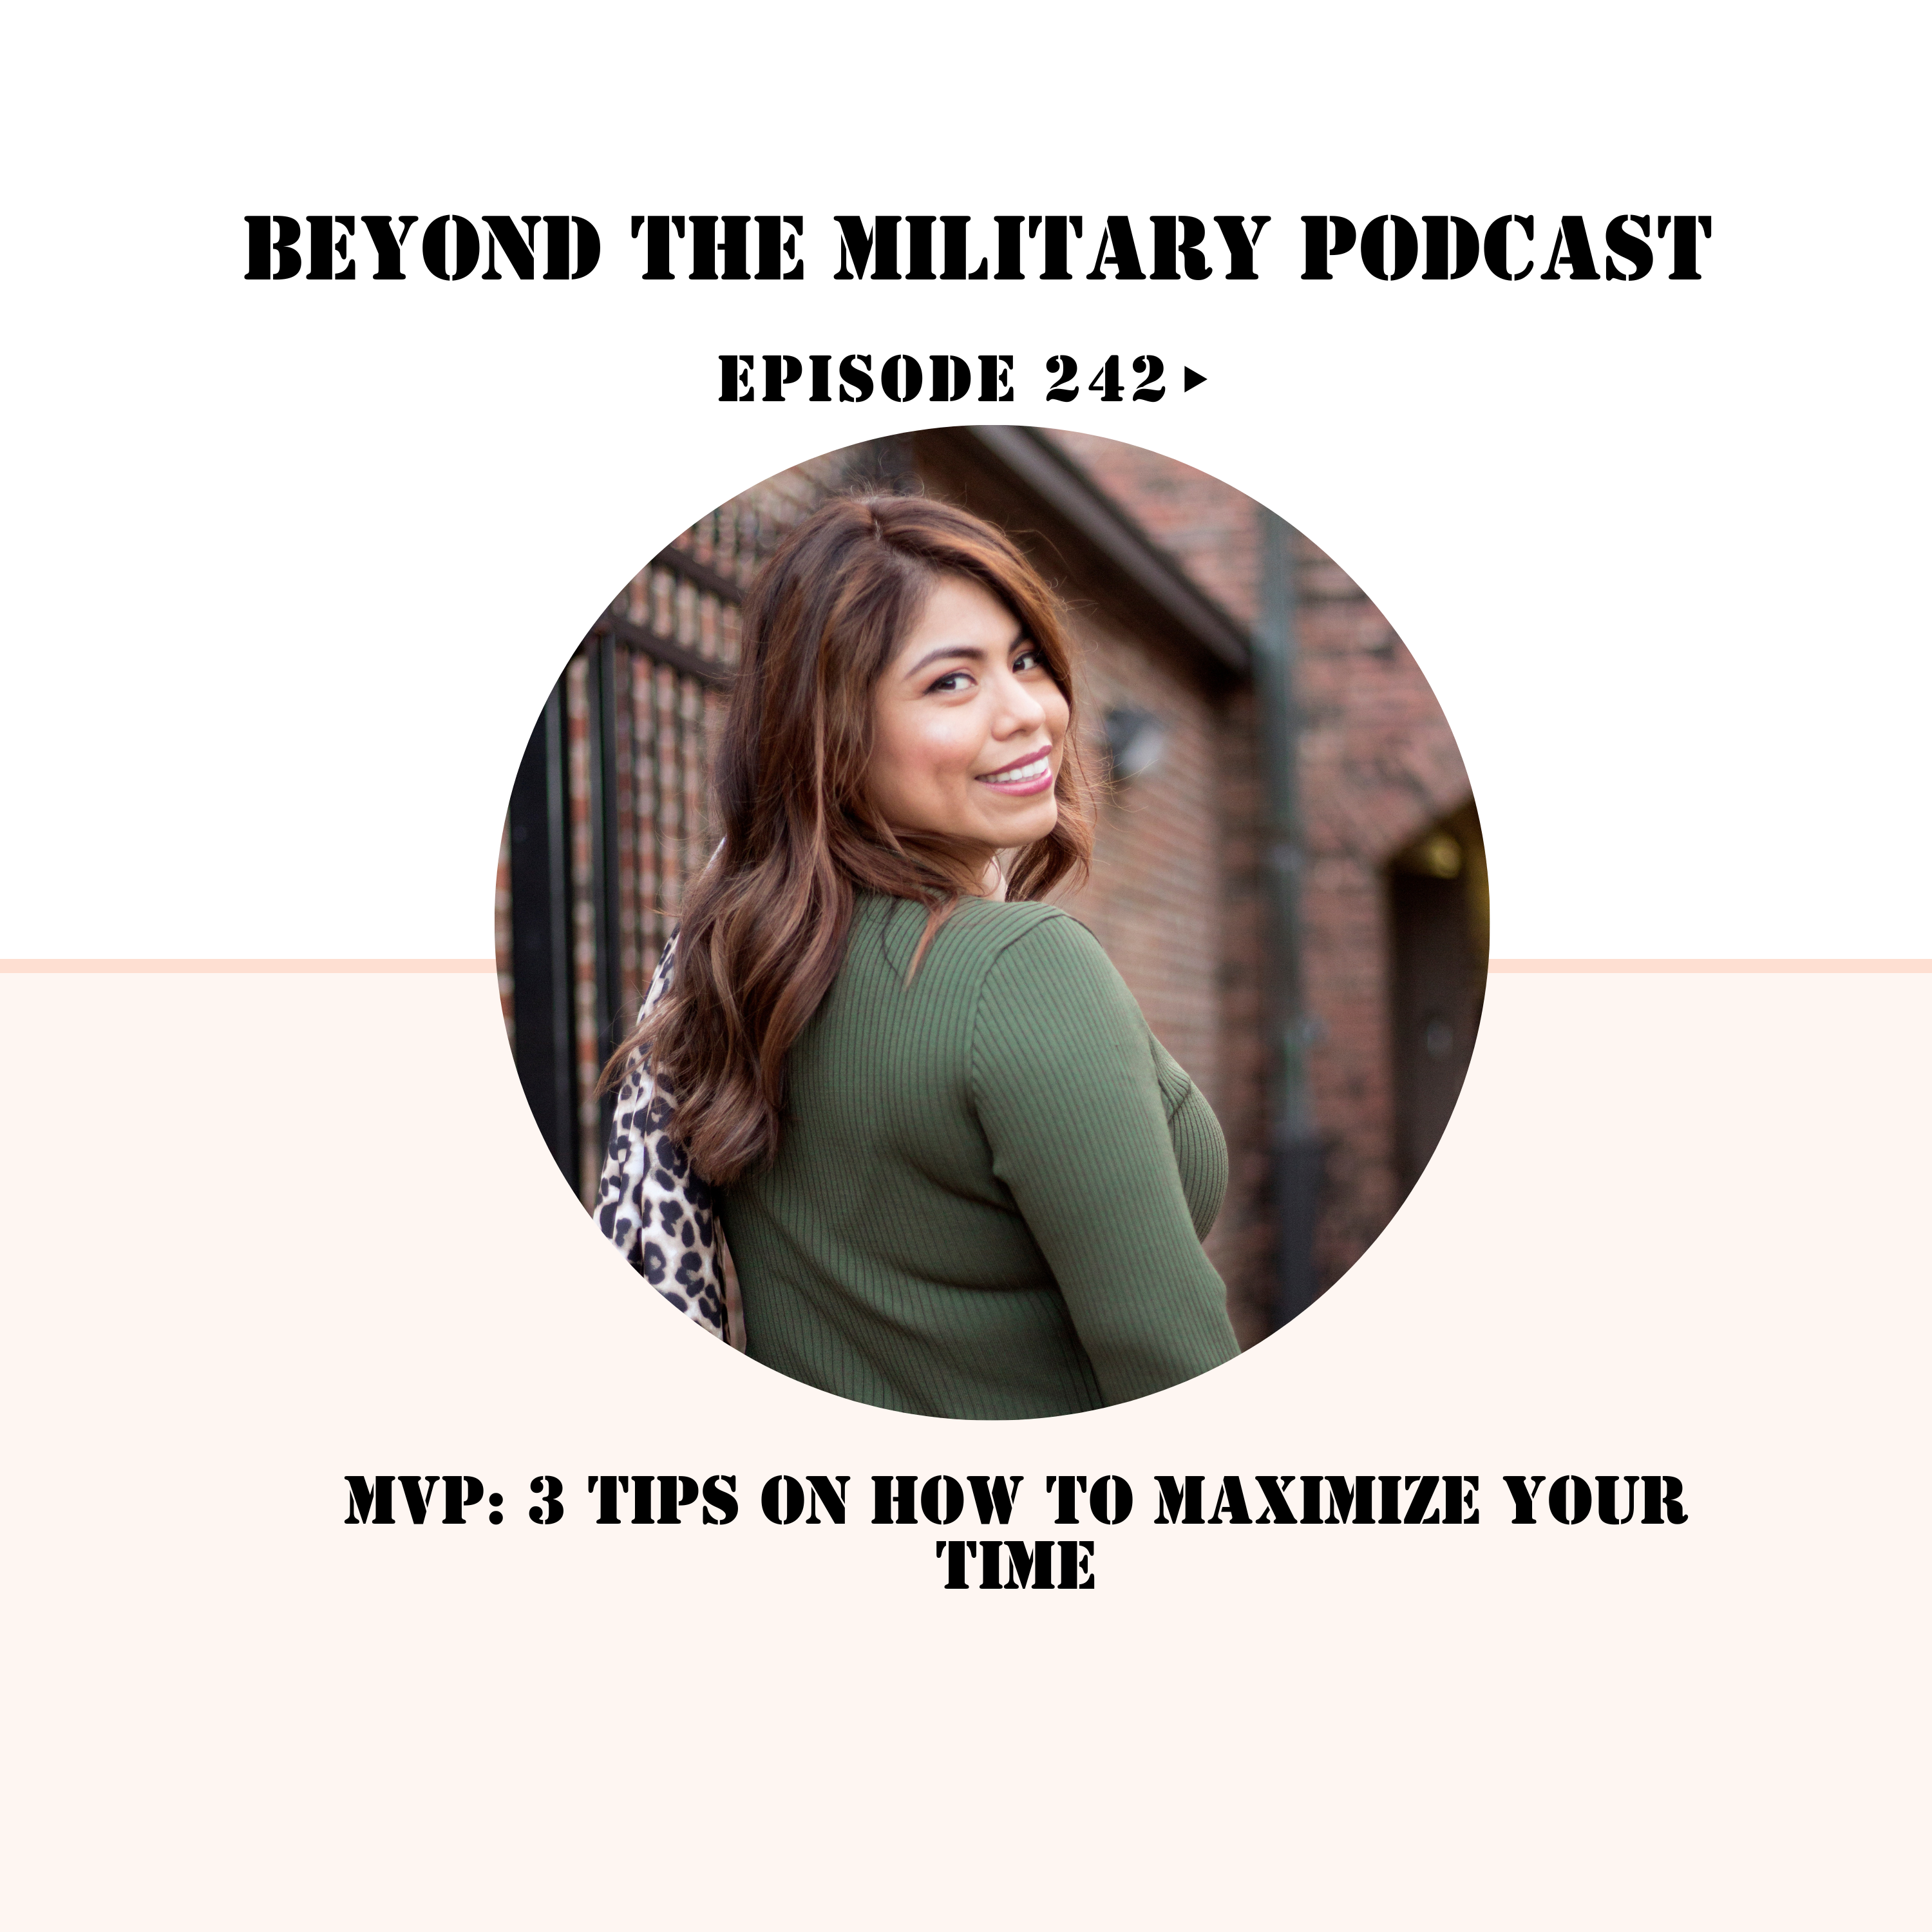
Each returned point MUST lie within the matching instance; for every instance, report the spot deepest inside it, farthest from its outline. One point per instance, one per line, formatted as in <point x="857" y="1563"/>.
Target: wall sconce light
<point x="1136" y="741"/>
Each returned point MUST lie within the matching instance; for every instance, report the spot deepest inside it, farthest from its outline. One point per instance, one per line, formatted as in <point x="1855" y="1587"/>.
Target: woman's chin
<point x="1022" y="823"/>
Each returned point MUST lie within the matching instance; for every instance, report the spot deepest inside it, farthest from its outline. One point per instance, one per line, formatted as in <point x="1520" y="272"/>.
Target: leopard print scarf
<point x="651" y="1207"/>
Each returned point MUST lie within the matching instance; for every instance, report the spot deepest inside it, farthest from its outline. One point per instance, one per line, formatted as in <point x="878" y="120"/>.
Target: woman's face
<point x="969" y="725"/>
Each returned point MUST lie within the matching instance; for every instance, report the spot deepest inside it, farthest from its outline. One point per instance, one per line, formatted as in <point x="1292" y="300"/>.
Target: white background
<point x="289" y="568"/>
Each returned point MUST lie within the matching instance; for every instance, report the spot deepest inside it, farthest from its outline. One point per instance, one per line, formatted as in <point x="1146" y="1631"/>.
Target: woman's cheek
<point x="949" y="752"/>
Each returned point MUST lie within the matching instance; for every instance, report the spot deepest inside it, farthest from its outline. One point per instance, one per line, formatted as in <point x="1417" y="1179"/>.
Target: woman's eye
<point x="1027" y="660"/>
<point x="953" y="680"/>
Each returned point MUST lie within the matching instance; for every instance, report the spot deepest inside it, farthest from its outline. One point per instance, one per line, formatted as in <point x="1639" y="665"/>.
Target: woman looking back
<point x="957" y="1173"/>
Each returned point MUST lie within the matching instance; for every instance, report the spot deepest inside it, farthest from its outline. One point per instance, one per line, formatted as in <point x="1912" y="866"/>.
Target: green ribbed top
<point x="992" y="1186"/>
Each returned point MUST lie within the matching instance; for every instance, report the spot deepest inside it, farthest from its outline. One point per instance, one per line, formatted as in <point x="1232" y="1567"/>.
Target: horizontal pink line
<point x="489" y="966"/>
<point x="1710" y="965"/>
<point x="247" y="965"/>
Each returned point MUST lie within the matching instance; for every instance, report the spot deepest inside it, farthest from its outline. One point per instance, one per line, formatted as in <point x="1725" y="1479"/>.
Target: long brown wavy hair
<point x="764" y="928"/>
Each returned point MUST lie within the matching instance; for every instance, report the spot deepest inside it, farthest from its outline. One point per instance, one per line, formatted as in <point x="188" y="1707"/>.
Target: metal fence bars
<point x="610" y="817"/>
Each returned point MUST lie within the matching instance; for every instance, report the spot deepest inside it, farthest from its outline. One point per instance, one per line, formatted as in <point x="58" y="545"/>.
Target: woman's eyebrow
<point x="972" y="651"/>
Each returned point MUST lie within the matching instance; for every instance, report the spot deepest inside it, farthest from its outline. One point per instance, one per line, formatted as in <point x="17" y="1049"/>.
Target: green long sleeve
<point x="1066" y="1084"/>
<point x="990" y="1191"/>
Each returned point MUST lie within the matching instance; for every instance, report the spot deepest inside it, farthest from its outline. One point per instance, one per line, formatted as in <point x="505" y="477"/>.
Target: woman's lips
<point x="1021" y="778"/>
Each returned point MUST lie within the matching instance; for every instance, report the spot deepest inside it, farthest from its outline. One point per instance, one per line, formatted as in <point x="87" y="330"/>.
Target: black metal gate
<point x="610" y="816"/>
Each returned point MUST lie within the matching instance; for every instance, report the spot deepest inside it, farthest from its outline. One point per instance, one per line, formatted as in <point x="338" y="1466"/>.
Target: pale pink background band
<point x="1710" y="965"/>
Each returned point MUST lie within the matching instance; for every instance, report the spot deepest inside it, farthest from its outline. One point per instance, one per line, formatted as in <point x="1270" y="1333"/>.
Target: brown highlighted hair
<point x="765" y="926"/>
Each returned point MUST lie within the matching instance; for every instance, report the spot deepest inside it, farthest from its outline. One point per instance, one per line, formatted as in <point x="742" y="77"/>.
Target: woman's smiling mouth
<point x="1023" y="777"/>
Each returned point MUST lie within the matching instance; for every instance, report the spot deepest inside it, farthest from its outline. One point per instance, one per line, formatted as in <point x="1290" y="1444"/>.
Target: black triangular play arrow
<point x="1188" y="377"/>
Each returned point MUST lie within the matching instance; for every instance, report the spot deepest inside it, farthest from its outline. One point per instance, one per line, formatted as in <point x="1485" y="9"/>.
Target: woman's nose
<point x="1020" y="709"/>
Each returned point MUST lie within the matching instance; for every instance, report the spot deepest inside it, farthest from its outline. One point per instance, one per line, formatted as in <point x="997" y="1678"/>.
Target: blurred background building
<point x="1288" y="869"/>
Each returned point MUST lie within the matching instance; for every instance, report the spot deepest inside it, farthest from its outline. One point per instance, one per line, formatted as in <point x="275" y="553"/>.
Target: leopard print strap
<point x="651" y="1207"/>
